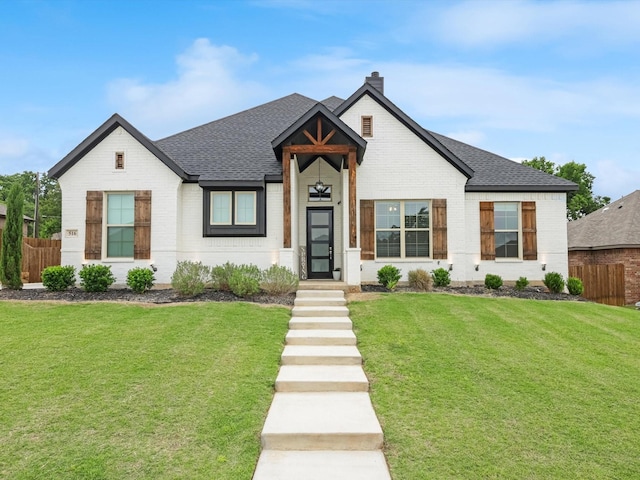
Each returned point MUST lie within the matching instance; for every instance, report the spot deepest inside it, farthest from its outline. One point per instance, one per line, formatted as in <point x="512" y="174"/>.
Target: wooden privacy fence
<point x="37" y="254"/>
<point x="602" y="283"/>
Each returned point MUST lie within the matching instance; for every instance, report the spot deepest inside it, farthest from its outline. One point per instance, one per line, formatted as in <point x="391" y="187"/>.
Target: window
<point x="120" y="225"/>
<point x="402" y="229"/>
<point x="506" y="227"/>
<point x="367" y="126"/>
<point x="234" y="212"/>
<point x="119" y="160"/>
<point x="322" y="196"/>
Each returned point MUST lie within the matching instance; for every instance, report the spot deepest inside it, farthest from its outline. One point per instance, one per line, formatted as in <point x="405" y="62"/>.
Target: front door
<point x="319" y="242"/>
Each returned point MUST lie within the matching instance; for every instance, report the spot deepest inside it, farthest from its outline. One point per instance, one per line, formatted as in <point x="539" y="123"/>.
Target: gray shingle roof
<point x="237" y="147"/>
<point x="616" y="225"/>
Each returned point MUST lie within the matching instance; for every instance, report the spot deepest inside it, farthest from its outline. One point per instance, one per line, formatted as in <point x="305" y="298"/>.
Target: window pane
<point x="245" y="208"/>
<point x="120" y="242"/>
<point x="507" y="245"/>
<point x="221" y="207"/>
<point x="506" y="216"/>
<point x="416" y="215"/>
<point x="388" y="244"/>
<point x="416" y="244"/>
<point x="387" y="214"/>
<point x="315" y="196"/>
<point x="320" y="218"/>
<point x="319" y="249"/>
<point x="318" y="265"/>
<point x="319" y="234"/>
<point x="120" y="209"/>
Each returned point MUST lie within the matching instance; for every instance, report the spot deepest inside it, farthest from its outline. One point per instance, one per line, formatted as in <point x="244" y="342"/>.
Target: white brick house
<point x="353" y="184"/>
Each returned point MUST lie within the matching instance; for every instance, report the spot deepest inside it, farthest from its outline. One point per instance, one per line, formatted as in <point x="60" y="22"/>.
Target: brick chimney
<point x="376" y="81"/>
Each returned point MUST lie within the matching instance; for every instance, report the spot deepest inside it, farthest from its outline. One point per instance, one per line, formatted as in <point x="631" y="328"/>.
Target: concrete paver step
<point x="328" y="311"/>
<point x="321" y="355"/>
<point x="322" y="378"/>
<point x="321" y="465"/>
<point x="320" y="337"/>
<point x="321" y="421"/>
<point x="319" y="294"/>
<point x="320" y="323"/>
<point x="320" y="302"/>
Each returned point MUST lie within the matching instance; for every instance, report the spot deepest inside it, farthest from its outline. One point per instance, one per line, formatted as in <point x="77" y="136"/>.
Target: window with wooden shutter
<point x="367" y="230"/>
<point x="529" y="231"/>
<point x="439" y="225"/>
<point x="487" y="237"/>
<point x="93" y="226"/>
<point x="142" y="225"/>
<point x="367" y="126"/>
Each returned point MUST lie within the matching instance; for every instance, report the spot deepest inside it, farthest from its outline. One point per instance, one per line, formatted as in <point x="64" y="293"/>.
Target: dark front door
<point x="320" y="242"/>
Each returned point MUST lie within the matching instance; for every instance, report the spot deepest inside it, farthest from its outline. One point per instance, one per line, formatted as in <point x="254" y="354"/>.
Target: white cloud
<point x="208" y="85"/>
<point x="490" y="23"/>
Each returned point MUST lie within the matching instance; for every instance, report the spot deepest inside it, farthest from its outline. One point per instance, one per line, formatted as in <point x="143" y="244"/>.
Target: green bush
<point x="441" y="277"/>
<point x="554" y="282"/>
<point x="522" y="283"/>
<point x="220" y="275"/>
<point x="11" y="248"/>
<point x="190" y="278"/>
<point x="494" y="282"/>
<point x="277" y="280"/>
<point x="389" y="276"/>
<point x="58" y="278"/>
<point x="575" y="286"/>
<point x="420" y="280"/>
<point x="245" y="280"/>
<point x="96" y="278"/>
<point x="140" y="279"/>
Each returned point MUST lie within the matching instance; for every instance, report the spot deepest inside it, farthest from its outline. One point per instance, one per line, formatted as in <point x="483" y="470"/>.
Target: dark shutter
<point x="367" y="230"/>
<point x="529" y="231"/>
<point x="142" y="225"/>
<point x="439" y="224"/>
<point x="487" y="235"/>
<point x="93" y="226"/>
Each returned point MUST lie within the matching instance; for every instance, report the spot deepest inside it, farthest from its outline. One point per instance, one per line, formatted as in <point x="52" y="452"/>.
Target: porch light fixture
<point x="544" y="267"/>
<point x="320" y="188"/>
<point x="477" y="267"/>
<point x="450" y="266"/>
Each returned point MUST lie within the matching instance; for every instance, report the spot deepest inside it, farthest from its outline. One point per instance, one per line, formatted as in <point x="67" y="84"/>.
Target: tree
<point x="11" y="254"/>
<point x="581" y="202"/>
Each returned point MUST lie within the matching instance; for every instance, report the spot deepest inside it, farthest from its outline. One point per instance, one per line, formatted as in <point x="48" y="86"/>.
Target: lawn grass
<point x="112" y="391"/>
<point x="470" y="387"/>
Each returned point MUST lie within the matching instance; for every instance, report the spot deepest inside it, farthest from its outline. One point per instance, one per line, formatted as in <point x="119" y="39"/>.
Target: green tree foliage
<point x="11" y="254"/>
<point x="581" y="202"/>
<point x="50" y="199"/>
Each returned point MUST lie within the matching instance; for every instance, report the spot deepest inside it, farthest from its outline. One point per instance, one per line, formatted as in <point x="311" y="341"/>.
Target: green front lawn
<point x="109" y="391"/>
<point x="470" y="387"/>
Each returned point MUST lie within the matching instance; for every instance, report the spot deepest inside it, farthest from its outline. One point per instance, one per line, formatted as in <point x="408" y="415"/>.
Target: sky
<point x="519" y="78"/>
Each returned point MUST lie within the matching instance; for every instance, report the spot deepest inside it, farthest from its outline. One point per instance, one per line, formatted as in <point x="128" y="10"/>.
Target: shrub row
<point x="94" y="278"/>
<point x="191" y="278"/>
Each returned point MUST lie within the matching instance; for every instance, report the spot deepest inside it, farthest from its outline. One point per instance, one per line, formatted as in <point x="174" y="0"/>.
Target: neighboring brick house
<point x="609" y="236"/>
<point x="353" y="184"/>
<point x="3" y="219"/>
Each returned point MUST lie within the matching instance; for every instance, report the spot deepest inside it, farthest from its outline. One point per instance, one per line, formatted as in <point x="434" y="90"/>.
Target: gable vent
<point x="367" y="126"/>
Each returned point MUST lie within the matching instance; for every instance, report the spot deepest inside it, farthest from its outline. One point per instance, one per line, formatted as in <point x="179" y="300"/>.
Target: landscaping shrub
<point x="96" y="278"/>
<point x="389" y="276"/>
<point x="11" y="251"/>
<point x="277" y="280"/>
<point x="140" y="279"/>
<point x="245" y="280"/>
<point x="441" y="277"/>
<point x="58" y="278"/>
<point x="220" y="275"/>
<point x="494" y="282"/>
<point x="575" y="286"/>
<point x="554" y="282"/>
<point x="521" y="283"/>
<point x="420" y="280"/>
<point x="190" y="278"/>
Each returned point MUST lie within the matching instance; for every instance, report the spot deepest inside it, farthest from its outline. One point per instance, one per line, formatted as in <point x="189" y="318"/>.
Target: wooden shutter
<point x="487" y="235"/>
<point x="93" y="226"/>
<point x="367" y="230"/>
<point x="439" y="225"/>
<point x="529" y="232"/>
<point x="142" y="225"/>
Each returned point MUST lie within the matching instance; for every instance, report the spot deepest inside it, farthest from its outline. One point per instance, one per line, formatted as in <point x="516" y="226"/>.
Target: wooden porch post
<point x="286" y="197"/>
<point x="352" y="198"/>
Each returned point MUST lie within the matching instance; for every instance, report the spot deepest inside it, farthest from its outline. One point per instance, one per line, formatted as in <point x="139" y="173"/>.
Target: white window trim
<point x="235" y="207"/>
<point x="212" y="209"/>
<point x="402" y="231"/>
<point x="519" y="231"/>
<point x="106" y="225"/>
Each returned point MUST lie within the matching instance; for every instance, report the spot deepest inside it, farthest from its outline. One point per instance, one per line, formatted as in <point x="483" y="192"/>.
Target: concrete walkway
<point x="321" y="424"/>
